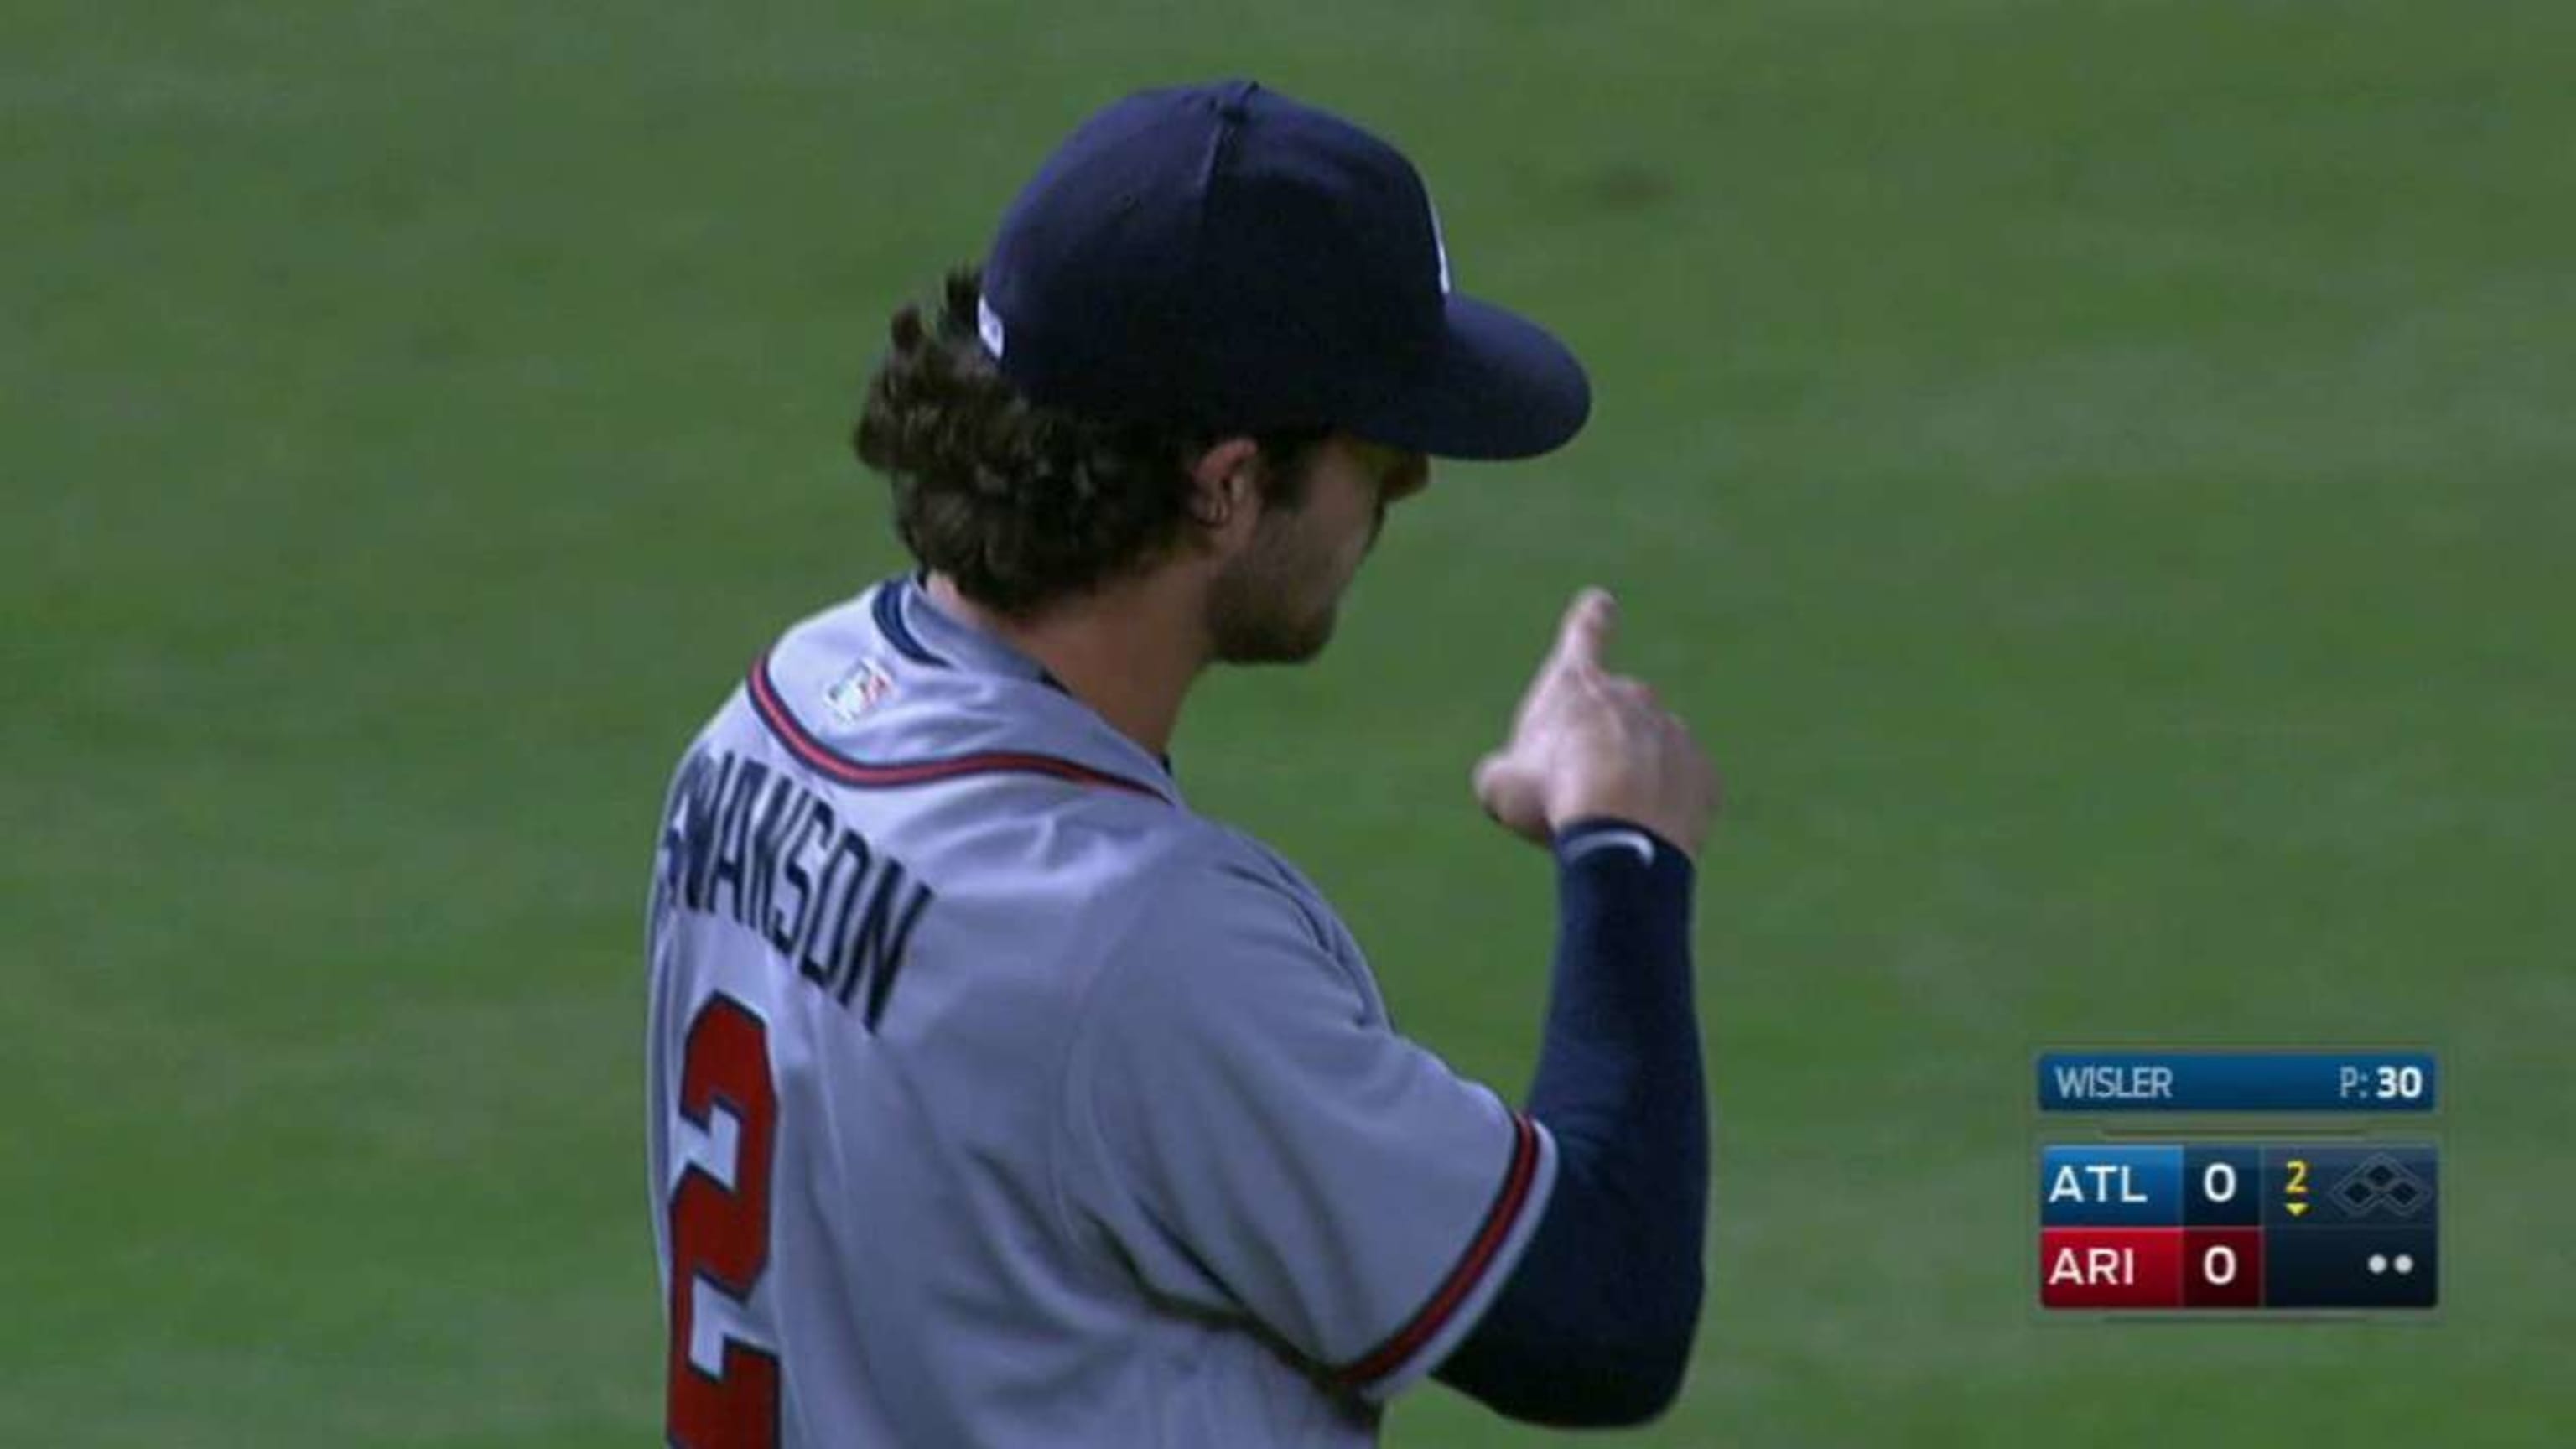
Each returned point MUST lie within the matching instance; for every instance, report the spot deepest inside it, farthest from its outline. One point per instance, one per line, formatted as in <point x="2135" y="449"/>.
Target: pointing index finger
<point x="1584" y="636"/>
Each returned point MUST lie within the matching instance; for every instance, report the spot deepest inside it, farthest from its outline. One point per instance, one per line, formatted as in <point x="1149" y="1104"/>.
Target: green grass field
<point x="2089" y="470"/>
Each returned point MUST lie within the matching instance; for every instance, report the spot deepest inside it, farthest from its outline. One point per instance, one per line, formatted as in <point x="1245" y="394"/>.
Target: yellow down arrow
<point x="2297" y="1209"/>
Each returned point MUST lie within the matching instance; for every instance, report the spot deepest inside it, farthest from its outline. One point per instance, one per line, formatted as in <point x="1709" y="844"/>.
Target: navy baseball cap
<point x="1222" y="257"/>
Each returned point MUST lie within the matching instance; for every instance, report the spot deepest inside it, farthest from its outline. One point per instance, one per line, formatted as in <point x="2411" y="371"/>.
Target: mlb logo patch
<point x="858" y="692"/>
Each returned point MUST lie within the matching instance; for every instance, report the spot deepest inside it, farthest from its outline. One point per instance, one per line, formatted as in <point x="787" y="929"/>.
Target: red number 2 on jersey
<point x="721" y="1236"/>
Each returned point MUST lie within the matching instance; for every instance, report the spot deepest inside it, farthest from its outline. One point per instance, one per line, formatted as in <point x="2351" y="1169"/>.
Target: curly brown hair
<point x="1022" y="504"/>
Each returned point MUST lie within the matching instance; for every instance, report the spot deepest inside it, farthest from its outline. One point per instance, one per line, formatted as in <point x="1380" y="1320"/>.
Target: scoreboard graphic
<point x="2234" y="1182"/>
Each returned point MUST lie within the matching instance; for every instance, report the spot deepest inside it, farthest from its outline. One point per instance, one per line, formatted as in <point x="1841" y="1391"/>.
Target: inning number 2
<point x="720" y="1234"/>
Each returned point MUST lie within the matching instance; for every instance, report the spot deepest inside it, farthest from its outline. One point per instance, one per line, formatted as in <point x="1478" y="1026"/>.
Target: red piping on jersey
<point x="792" y="733"/>
<point x="1462" y="1279"/>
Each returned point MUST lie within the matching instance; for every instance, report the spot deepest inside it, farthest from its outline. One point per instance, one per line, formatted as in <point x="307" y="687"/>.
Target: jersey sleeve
<point x="1252" y="1138"/>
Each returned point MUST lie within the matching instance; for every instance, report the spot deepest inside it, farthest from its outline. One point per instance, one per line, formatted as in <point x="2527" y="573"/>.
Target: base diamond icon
<point x="2380" y="1182"/>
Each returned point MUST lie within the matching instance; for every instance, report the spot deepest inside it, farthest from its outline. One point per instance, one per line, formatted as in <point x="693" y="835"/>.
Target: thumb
<point x="1510" y="791"/>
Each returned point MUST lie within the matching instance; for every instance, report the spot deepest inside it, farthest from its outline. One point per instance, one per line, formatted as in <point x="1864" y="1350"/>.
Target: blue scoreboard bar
<point x="2205" y="1080"/>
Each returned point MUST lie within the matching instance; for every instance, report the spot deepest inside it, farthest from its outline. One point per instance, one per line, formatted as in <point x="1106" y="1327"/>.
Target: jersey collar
<point x="925" y="633"/>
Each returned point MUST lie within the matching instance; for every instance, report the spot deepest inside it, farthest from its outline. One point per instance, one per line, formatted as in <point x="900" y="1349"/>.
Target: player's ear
<point x="1225" y="492"/>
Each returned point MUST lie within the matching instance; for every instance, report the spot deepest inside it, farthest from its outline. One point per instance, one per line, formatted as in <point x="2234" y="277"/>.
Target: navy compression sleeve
<point x="1595" y="1325"/>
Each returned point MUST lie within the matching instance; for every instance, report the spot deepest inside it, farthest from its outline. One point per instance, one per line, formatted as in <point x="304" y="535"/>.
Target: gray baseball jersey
<point x="998" y="1099"/>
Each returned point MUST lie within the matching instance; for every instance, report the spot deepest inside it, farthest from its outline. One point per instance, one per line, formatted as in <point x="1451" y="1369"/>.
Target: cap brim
<point x="1498" y="387"/>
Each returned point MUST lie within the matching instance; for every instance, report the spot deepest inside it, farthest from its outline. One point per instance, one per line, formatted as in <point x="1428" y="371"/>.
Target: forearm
<point x="1595" y="1325"/>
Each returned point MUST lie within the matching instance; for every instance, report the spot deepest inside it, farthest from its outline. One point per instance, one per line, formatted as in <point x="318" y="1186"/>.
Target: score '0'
<point x="2209" y="1179"/>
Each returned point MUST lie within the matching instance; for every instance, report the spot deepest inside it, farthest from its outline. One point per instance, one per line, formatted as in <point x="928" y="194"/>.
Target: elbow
<point x="1596" y="1327"/>
<point x="1656" y="1364"/>
<point x="1659" y="1384"/>
<point x="1633" y="1377"/>
<point x="1637" y="1386"/>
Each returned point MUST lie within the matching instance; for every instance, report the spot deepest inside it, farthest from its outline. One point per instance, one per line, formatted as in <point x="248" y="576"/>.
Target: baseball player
<point x="998" y="1098"/>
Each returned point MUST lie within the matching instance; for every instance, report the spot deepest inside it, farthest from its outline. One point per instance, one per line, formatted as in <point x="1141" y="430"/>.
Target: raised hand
<point x="1586" y="743"/>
